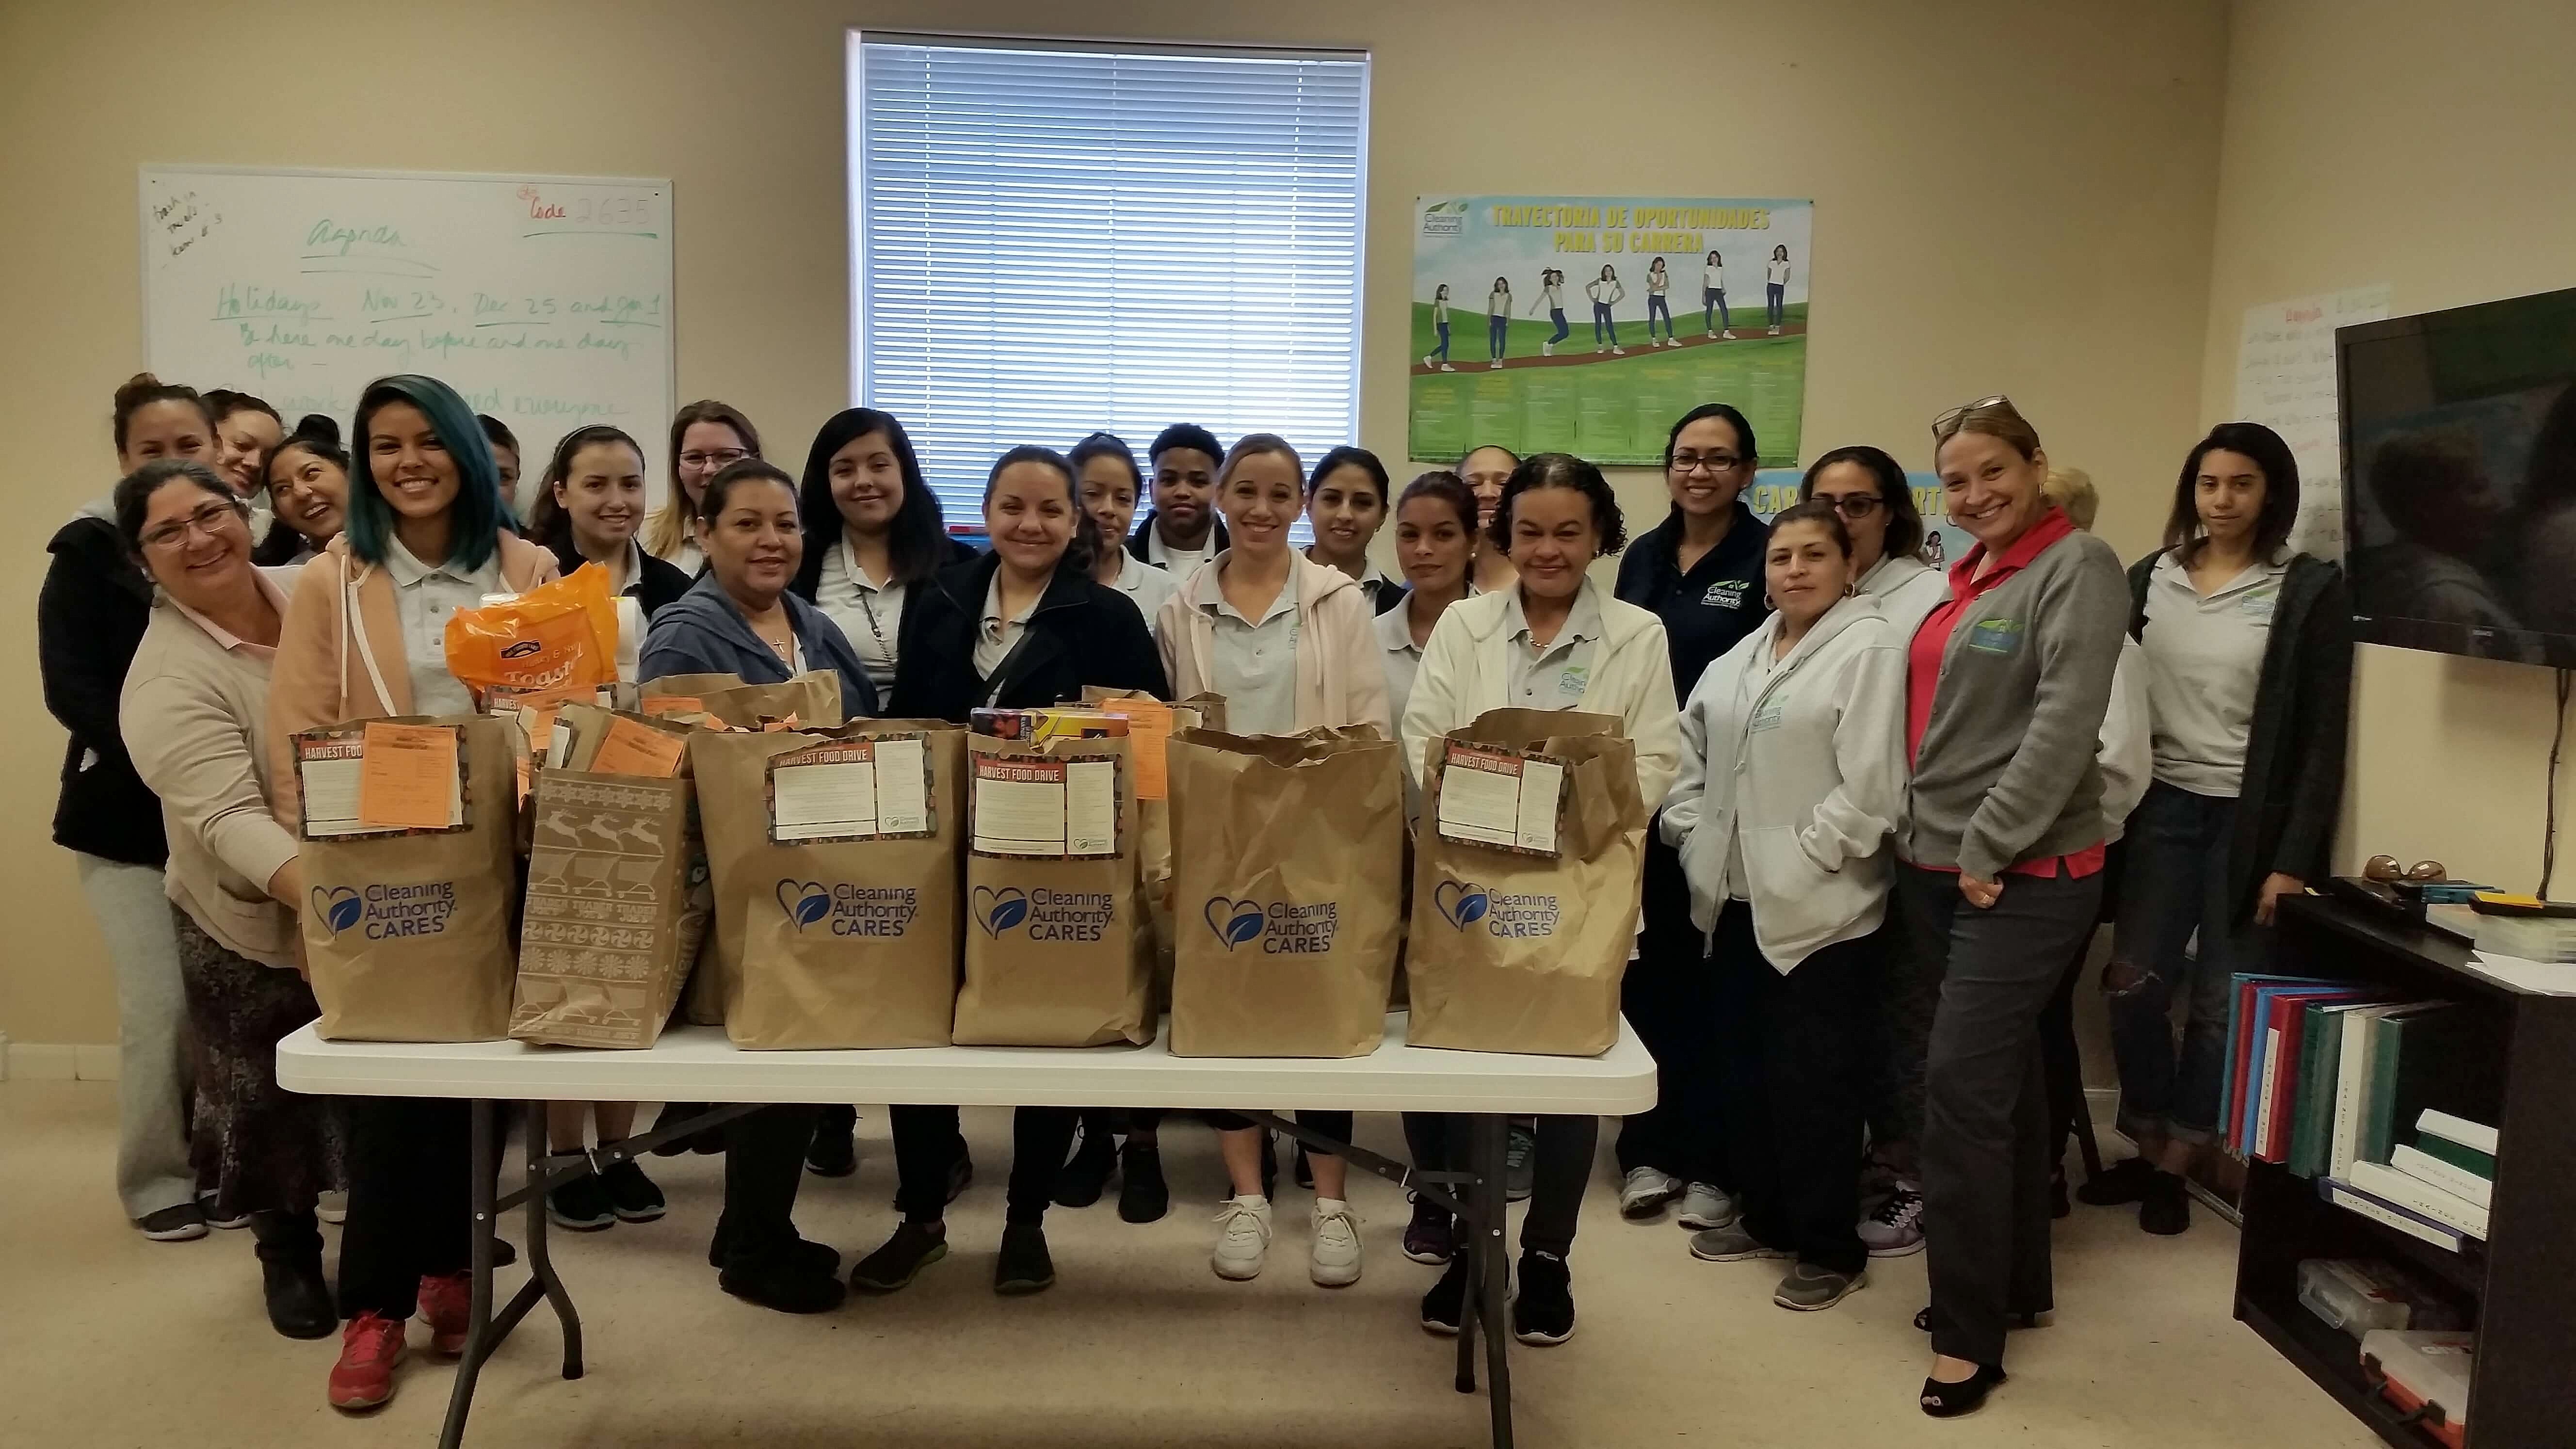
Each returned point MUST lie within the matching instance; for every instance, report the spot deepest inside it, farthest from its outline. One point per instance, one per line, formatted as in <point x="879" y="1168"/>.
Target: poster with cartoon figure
<point x="1605" y="318"/>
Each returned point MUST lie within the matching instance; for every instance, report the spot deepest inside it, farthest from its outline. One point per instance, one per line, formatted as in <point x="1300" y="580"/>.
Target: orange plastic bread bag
<point x="557" y="635"/>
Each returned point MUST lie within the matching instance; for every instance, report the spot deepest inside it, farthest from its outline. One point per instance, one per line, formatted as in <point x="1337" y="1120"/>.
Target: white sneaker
<point x="1444" y="367"/>
<point x="1896" y="1229"/>
<point x="1726" y="336"/>
<point x="1704" y="1207"/>
<point x="1334" y="1260"/>
<point x="1242" y="1238"/>
<point x="1547" y="349"/>
<point x="1775" y="331"/>
<point x="1497" y="364"/>
<point x="1430" y="362"/>
<point x="1645" y="1191"/>
<point x="1712" y="332"/>
<point x="1618" y="352"/>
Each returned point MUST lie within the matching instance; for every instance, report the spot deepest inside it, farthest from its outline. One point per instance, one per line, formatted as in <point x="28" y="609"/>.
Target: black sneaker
<point x="1024" y="1266"/>
<point x="177" y="1224"/>
<point x="1543" y="1311"/>
<point x="1520" y="1162"/>
<point x="1446" y="1303"/>
<point x="2124" y="1181"/>
<point x="1432" y="1236"/>
<point x="894" y="1266"/>
<point x="581" y="1205"/>
<point x="1079" y="1183"/>
<point x="631" y="1195"/>
<point x="2166" y="1208"/>
<point x="1143" y="1196"/>
<point x="783" y="1282"/>
<point x="834" y="1151"/>
<point x="961" y="1172"/>
<point x="804" y="1254"/>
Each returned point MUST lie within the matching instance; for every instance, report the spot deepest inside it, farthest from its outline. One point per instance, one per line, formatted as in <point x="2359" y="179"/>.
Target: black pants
<point x="1793" y="1050"/>
<point x="764" y="1165"/>
<point x="411" y="1205"/>
<point x="1559" y="1168"/>
<point x="1985" y="1115"/>
<point x="926" y="1142"/>
<point x="1671" y="997"/>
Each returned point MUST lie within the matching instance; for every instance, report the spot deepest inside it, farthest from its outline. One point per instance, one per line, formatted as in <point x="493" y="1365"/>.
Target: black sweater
<point x="663" y="583"/>
<point x="1081" y="633"/>
<point x="2294" y="751"/>
<point x="89" y="618"/>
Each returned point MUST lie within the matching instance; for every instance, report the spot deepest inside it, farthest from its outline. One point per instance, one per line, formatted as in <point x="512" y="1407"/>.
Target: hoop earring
<point x="1851" y="591"/>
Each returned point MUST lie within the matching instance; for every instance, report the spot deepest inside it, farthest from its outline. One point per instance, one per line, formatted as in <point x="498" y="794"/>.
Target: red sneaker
<point x="447" y="1305"/>
<point x="370" y="1347"/>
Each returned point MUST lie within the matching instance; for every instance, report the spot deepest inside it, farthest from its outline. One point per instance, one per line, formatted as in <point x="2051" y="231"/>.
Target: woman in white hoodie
<point x="1792" y="777"/>
<point x="1552" y="639"/>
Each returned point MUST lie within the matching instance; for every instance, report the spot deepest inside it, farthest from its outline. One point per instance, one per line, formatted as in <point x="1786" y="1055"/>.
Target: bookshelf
<point x="2522" y="1280"/>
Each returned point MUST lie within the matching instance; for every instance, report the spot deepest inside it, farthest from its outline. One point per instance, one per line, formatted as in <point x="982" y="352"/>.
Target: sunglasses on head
<point x="1948" y="422"/>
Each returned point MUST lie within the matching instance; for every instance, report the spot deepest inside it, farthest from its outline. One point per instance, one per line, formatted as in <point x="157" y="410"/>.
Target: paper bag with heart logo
<point x="408" y="933"/>
<point x="1287" y="856"/>
<point x="1517" y="952"/>
<point x="1056" y="949"/>
<point x="1154" y="812"/>
<point x="835" y="857"/>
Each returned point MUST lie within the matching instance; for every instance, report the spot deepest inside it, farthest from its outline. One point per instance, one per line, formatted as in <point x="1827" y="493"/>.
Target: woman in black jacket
<point x="2248" y="647"/>
<point x="90" y="616"/>
<point x="1021" y="627"/>
<point x="589" y="508"/>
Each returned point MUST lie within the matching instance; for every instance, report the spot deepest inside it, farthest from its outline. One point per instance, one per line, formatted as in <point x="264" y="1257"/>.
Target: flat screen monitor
<point x="2459" y="450"/>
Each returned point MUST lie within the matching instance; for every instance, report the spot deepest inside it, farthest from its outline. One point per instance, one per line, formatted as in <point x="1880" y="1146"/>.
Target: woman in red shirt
<point x="2007" y="683"/>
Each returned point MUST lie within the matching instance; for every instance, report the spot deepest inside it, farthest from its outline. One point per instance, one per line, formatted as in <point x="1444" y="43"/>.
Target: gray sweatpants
<point x="152" y="1079"/>
<point x="1986" y="1138"/>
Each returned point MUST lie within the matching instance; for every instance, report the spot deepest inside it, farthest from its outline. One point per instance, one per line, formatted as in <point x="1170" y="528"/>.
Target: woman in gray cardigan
<point x="194" y="716"/>
<point x="2006" y="686"/>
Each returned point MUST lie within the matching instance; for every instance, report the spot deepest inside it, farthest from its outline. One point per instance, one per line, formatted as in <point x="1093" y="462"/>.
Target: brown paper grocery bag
<point x="1154" y="821"/>
<point x="1288" y="852"/>
<point x="833" y="931"/>
<point x="1056" y="952"/>
<point x="1511" y="951"/>
<point x="812" y="699"/>
<point x="617" y="907"/>
<point x="407" y="933"/>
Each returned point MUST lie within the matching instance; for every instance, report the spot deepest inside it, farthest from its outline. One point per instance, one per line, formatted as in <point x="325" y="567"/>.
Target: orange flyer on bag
<point x="407" y="778"/>
<point x="1149" y="727"/>
<point x="629" y="748"/>
<point x="559" y="634"/>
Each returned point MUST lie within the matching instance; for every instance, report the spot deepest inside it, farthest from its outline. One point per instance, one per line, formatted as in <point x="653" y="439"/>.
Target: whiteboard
<point x="546" y="301"/>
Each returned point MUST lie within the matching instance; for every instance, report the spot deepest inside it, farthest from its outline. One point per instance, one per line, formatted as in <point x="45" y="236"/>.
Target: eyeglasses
<point x="1687" y="463"/>
<point x="207" y="520"/>
<point x="1855" y="506"/>
<point x="720" y="458"/>
<point x="1948" y="423"/>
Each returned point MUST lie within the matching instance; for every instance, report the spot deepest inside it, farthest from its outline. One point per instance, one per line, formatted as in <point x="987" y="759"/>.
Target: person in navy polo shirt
<point x="1700" y="571"/>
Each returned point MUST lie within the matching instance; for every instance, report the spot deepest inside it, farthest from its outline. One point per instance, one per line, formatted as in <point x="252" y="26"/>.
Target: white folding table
<point x="697" y="1064"/>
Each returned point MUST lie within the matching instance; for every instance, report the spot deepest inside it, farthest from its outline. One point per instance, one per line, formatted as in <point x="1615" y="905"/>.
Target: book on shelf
<point x="2344" y="1195"/>
<point x="2320" y="1086"/>
<point x="2424" y="1167"/>
<point x="2266" y="1050"/>
<point x="2242" y="1062"/>
<point x="2352" y="1089"/>
<point x="2476" y="1137"/>
<point x="2421" y="1198"/>
<point x="2441" y="1055"/>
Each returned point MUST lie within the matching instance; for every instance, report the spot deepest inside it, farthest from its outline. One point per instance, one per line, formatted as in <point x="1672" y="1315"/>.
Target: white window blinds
<point x="1055" y="239"/>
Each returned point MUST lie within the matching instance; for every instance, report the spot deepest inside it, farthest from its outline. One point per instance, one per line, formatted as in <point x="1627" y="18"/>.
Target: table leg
<point x="1493" y="1270"/>
<point x="1471" y="1241"/>
<point x="541" y="1263"/>
<point x="479" y="1338"/>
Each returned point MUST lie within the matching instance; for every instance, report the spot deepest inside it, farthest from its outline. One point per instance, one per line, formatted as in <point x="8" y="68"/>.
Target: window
<point x="1050" y="239"/>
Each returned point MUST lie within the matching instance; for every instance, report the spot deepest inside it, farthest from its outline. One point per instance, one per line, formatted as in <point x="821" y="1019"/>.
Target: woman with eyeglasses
<point x="707" y="437"/>
<point x="308" y="493"/>
<point x="1700" y="572"/>
<point x="1869" y="491"/>
<point x="195" y="710"/>
<point x="2003" y="850"/>
<point x="2248" y="651"/>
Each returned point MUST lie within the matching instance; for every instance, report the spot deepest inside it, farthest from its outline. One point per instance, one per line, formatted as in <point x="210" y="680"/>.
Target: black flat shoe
<point x="1079" y="1183"/>
<point x="1950" y="1401"/>
<point x="1143" y="1196"/>
<point x="1923" y="1320"/>
<point x="2122" y="1182"/>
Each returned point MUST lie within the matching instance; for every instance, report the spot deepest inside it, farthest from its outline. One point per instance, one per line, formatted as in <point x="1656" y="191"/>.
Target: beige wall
<point x="2011" y="195"/>
<point x="2424" y="146"/>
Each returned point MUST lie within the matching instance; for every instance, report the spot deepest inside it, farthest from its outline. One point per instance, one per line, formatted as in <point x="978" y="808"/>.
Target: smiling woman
<point x="589" y="508"/>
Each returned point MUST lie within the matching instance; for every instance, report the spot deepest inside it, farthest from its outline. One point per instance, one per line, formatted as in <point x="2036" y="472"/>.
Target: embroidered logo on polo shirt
<point x="1726" y="593"/>
<point x="1995" y="636"/>
<point x="2258" y="605"/>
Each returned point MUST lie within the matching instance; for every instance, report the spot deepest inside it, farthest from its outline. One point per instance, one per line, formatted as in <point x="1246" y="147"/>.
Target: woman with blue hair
<point x="364" y="637"/>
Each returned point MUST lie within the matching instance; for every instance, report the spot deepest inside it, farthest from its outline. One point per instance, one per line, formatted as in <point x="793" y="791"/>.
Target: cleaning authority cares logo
<point x="387" y="912"/>
<point x="1464" y="904"/>
<point x="1046" y="915"/>
<point x="849" y="910"/>
<point x="1281" y="927"/>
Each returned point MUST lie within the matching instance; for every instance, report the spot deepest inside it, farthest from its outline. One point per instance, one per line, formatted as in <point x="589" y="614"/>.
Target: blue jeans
<point x="1442" y="351"/>
<point x="1563" y="331"/>
<point x="1603" y="327"/>
<point x="1776" y="302"/>
<point x="2176" y="884"/>
<point x="1494" y="329"/>
<point x="1656" y="307"/>
<point x="1712" y="309"/>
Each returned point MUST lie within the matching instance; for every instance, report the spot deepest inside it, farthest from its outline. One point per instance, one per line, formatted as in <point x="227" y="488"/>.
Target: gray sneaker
<point x="1704" y="1207"/>
<point x="1520" y="1162"/>
<point x="1808" y="1287"/>
<point x="1645" y="1192"/>
<point x="1896" y="1229"/>
<point x="1731" y="1244"/>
